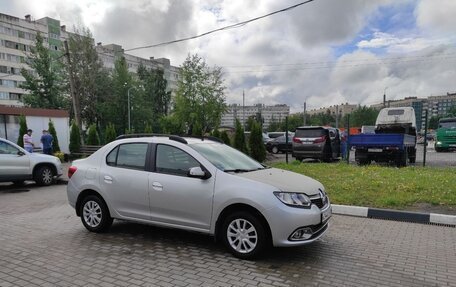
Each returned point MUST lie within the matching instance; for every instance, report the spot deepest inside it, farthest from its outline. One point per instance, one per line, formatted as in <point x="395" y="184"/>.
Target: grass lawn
<point x="382" y="187"/>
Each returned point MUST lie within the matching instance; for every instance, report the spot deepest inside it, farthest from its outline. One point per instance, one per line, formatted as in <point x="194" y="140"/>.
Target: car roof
<point x="159" y="138"/>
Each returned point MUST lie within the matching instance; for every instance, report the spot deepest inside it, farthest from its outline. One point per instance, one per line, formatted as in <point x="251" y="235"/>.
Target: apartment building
<point x="17" y="36"/>
<point x="268" y="114"/>
<point x="109" y="54"/>
<point x="341" y="110"/>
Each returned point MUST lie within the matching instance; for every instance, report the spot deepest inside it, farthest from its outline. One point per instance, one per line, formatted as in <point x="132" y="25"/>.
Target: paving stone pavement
<point x="43" y="243"/>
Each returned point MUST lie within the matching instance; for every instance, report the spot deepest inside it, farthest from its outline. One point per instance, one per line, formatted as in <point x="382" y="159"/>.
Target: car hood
<point x="285" y="180"/>
<point x="43" y="157"/>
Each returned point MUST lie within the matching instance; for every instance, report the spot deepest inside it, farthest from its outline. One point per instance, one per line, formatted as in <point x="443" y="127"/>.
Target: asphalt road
<point x="43" y="243"/>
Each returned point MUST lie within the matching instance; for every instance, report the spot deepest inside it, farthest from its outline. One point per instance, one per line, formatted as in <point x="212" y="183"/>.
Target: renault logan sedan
<point x="198" y="185"/>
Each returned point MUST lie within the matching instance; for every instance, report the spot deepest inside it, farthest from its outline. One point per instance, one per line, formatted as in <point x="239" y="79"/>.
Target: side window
<point x="332" y="134"/>
<point x="112" y="157"/>
<point x="132" y="156"/>
<point x="171" y="160"/>
<point x="6" y="148"/>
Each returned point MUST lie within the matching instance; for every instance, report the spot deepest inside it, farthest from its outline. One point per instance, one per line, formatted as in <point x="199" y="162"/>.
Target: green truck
<point x="446" y="135"/>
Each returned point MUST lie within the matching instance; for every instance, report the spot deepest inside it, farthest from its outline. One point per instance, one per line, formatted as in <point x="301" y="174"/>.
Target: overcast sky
<point x="326" y="52"/>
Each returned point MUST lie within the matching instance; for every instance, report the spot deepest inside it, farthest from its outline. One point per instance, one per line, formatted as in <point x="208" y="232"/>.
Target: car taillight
<point x="296" y="140"/>
<point x="320" y="139"/>
<point x="71" y="171"/>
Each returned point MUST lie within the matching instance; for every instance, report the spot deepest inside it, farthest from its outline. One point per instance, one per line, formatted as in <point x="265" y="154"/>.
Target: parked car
<point x="198" y="185"/>
<point x="279" y="144"/>
<point x="17" y="165"/>
<point x="274" y="135"/>
<point x="316" y="142"/>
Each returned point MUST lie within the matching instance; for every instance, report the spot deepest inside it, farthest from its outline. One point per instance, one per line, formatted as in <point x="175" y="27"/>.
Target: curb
<point x="418" y="217"/>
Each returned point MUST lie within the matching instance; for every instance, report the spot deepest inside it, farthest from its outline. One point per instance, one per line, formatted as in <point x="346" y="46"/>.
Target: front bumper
<point x="285" y="220"/>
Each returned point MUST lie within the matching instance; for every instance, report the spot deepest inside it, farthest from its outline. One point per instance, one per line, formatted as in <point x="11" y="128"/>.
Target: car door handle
<point x="107" y="179"/>
<point x="157" y="186"/>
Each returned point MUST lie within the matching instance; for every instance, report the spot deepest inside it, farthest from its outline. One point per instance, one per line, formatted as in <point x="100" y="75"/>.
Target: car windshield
<point x="447" y="125"/>
<point x="226" y="158"/>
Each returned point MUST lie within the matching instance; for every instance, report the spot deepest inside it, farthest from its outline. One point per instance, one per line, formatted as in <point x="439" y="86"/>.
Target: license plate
<point x="375" y="150"/>
<point x="326" y="214"/>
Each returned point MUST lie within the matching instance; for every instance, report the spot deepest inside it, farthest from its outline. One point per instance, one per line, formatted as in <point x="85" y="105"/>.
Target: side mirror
<point x="20" y="153"/>
<point x="198" y="172"/>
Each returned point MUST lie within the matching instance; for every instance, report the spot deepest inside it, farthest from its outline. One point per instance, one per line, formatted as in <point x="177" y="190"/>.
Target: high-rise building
<point x="17" y="36"/>
<point x="340" y="110"/>
<point x="110" y="53"/>
<point x="268" y="114"/>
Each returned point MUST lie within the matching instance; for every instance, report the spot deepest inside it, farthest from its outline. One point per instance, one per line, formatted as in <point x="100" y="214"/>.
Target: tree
<point x="294" y="121"/>
<point x="200" y="99"/>
<point x="75" y="138"/>
<point x="115" y="108"/>
<point x="110" y="133"/>
<point x="363" y="116"/>
<point x="171" y="125"/>
<point x="225" y="138"/>
<point x="55" y="142"/>
<point x="92" y="137"/>
<point x="239" y="138"/>
<point x="92" y="83"/>
<point x="153" y="101"/>
<point x="434" y="122"/>
<point x="250" y="122"/>
<point x="451" y="112"/>
<point x="22" y="130"/>
<point x="43" y="79"/>
<point x="257" y="148"/>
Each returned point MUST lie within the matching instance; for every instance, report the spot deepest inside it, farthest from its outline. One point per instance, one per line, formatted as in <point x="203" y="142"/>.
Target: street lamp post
<point x="129" y="110"/>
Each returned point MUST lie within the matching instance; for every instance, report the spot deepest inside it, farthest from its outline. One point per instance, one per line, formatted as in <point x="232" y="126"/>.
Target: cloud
<point x="437" y="16"/>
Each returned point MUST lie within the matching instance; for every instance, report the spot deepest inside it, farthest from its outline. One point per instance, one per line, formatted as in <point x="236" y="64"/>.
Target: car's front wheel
<point x="275" y="149"/>
<point x="44" y="176"/>
<point x="244" y="235"/>
<point x="95" y="214"/>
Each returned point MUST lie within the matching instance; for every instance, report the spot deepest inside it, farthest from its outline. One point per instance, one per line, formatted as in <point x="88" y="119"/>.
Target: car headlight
<point x="439" y="143"/>
<point x="294" y="199"/>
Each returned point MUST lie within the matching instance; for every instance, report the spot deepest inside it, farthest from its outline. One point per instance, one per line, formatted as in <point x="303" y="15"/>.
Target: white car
<point x="17" y="165"/>
<point x="200" y="185"/>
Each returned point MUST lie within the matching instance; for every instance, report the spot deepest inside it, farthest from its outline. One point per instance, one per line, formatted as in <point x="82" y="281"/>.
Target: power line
<point x="342" y="66"/>
<point x="237" y="25"/>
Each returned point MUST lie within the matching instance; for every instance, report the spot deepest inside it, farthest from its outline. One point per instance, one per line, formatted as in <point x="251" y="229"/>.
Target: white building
<point x="17" y="36"/>
<point x="268" y="114"/>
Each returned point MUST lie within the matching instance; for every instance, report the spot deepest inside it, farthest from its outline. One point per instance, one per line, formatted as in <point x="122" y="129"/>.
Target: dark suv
<point x="316" y="142"/>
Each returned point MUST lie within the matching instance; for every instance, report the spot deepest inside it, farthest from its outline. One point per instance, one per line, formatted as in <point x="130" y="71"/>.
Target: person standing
<point x="46" y="140"/>
<point x="28" y="141"/>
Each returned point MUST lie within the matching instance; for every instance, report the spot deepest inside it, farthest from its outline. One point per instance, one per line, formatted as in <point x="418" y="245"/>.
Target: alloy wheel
<point x="92" y="213"/>
<point x="242" y="236"/>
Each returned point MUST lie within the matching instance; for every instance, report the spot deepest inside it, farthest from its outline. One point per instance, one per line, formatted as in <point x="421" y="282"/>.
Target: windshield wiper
<point x="237" y="170"/>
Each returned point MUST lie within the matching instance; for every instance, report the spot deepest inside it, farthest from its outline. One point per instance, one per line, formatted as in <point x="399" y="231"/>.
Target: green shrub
<point x="148" y="129"/>
<point x="75" y="138"/>
<point x="225" y="138"/>
<point x="55" y="143"/>
<point x="239" y="138"/>
<point x="22" y="130"/>
<point x="216" y="133"/>
<point x="110" y="133"/>
<point x="257" y="148"/>
<point x="92" y="137"/>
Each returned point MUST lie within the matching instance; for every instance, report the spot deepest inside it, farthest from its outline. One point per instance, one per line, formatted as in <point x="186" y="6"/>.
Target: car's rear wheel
<point x="275" y="149"/>
<point x="44" y="176"/>
<point x="244" y="235"/>
<point x="95" y="214"/>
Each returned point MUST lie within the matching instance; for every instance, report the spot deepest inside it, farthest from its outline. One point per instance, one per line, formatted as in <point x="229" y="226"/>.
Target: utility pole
<point x="304" y="115"/>
<point x="384" y="97"/>
<point x="74" y="97"/>
<point x="337" y="116"/>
